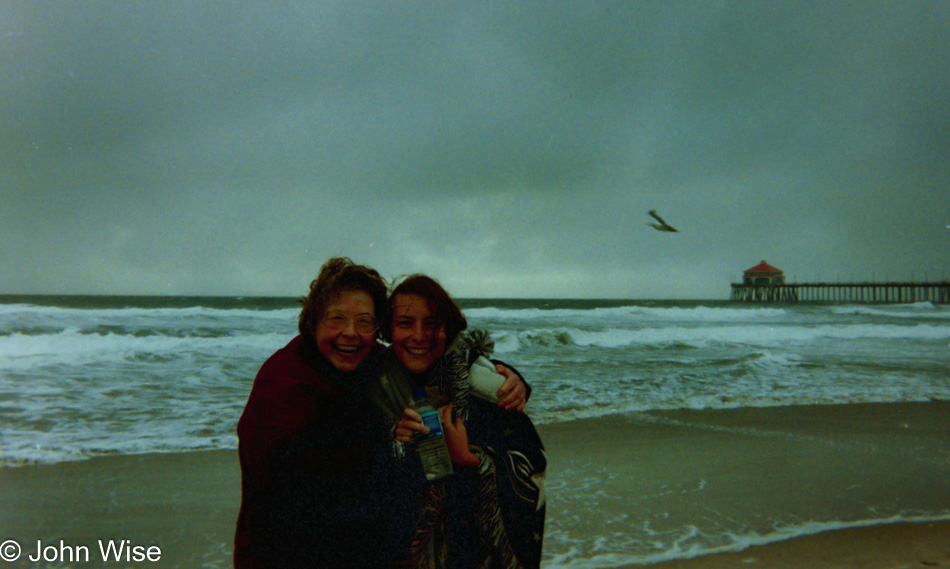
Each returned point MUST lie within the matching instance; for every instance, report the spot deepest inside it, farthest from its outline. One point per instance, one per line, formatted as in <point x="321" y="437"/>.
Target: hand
<point x="409" y="425"/>
<point x="512" y="394"/>
<point x="456" y="438"/>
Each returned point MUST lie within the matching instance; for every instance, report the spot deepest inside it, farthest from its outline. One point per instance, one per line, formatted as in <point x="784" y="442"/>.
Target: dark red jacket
<point x="319" y="484"/>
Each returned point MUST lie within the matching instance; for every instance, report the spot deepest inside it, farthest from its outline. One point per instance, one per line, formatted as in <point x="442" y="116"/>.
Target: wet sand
<point x="892" y="546"/>
<point x="186" y="504"/>
<point x="649" y="487"/>
<point x="669" y="462"/>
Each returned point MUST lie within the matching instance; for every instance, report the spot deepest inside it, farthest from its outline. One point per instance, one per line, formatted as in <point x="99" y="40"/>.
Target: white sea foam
<point x="72" y="347"/>
<point x="55" y="314"/>
<point x="920" y="310"/>
<point x="629" y="313"/>
<point x="80" y="383"/>
<point x="685" y="547"/>
<point x="58" y="313"/>
<point x="66" y="374"/>
<point x="702" y="336"/>
<point x="506" y="343"/>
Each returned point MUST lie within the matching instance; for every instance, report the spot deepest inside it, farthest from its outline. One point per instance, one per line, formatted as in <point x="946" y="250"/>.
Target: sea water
<point x="82" y="377"/>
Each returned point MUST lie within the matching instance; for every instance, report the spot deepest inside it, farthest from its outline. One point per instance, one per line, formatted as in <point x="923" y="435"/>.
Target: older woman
<point x="317" y="475"/>
<point x="490" y="512"/>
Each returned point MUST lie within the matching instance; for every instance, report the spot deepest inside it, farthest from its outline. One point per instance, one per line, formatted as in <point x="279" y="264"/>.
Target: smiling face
<point x="418" y="336"/>
<point x="346" y="347"/>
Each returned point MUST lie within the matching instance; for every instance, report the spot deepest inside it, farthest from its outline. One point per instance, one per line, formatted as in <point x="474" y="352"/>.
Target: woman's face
<point x="418" y="335"/>
<point x="346" y="333"/>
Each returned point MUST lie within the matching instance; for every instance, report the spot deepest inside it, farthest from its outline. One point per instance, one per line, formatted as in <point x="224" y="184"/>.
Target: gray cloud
<point x="509" y="149"/>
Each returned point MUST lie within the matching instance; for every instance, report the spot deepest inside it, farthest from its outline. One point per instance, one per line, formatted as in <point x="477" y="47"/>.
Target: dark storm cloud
<point x="508" y="148"/>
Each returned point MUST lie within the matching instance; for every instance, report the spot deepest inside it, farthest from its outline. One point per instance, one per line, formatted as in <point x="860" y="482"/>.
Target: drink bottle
<point x="431" y="448"/>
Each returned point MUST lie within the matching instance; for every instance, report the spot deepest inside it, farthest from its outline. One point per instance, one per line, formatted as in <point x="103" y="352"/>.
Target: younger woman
<point x="490" y="512"/>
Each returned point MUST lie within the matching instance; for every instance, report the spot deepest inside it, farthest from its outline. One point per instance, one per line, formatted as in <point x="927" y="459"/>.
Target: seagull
<point x="662" y="226"/>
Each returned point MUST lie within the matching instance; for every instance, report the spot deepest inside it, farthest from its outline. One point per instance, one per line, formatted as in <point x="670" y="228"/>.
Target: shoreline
<point x="204" y="486"/>
<point x="660" y="485"/>
<point x="185" y="504"/>
<point x="894" y="545"/>
<point x="605" y="475"/>
<point x="565" y="424"/>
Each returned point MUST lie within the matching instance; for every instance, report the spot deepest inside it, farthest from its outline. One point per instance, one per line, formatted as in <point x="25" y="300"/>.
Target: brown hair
<point x="440" y="303"/>
<point x="339" y="275"/>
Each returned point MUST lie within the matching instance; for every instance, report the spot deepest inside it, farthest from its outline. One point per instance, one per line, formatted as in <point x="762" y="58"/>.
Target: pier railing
<point x="892" y="292"/>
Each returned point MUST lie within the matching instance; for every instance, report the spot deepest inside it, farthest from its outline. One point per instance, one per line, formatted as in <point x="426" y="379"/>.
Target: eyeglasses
<point x="336" y="321"/>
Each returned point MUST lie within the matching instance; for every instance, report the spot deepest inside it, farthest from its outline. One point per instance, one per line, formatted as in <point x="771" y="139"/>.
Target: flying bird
<point x="662" y="226"/>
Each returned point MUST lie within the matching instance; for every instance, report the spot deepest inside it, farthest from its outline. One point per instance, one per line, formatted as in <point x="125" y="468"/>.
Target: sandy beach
<point x="682" y="483"/>
<point x="186" y="504"/>
<point x="890" y="546"/>
<point x="677" y="467"/>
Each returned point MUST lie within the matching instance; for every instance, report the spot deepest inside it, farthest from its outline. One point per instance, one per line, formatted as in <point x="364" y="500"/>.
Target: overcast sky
<point x="510" y="149"/>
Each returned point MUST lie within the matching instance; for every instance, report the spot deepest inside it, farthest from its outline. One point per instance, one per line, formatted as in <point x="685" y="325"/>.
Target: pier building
<point x="765" y="283"/>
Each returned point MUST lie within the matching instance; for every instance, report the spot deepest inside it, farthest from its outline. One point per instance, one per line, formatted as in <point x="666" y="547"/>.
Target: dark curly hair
<point x="339" y="275"/>
<point x="440" y="303"/>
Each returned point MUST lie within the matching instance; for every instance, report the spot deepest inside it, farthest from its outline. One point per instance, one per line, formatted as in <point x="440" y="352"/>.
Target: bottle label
<point x="431" y="420"/>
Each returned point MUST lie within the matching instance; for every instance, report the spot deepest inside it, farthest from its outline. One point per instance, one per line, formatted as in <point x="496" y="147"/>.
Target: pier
<point x="765" y="283"/>
<point x="890" y="292"/>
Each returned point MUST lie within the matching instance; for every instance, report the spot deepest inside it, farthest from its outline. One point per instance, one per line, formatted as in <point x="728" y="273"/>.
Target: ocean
<point x="87" y="377"/>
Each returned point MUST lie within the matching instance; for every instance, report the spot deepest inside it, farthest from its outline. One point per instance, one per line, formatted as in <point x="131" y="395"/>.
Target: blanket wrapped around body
<point x="484" y="518"/>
